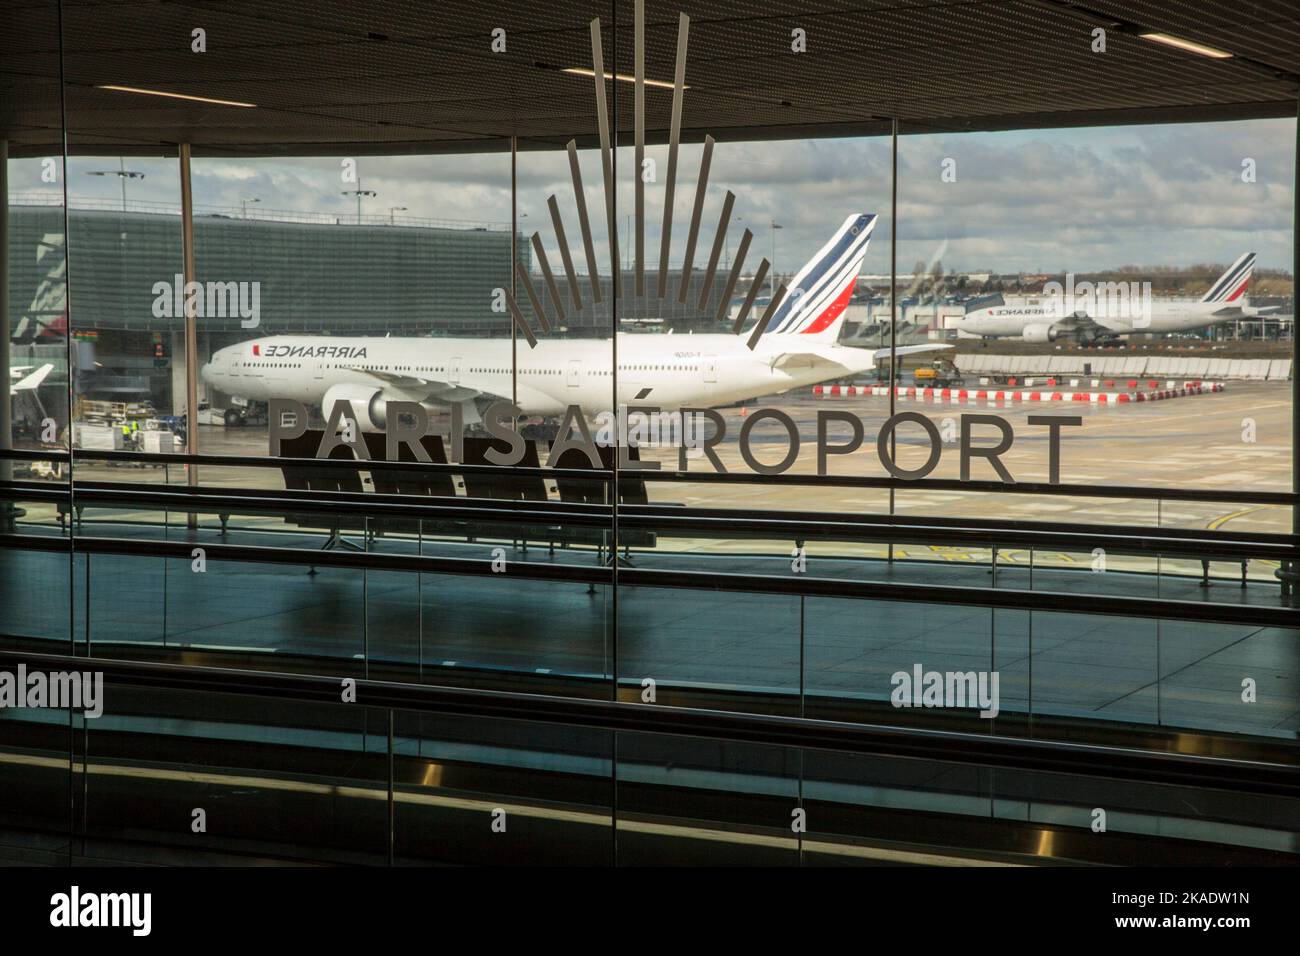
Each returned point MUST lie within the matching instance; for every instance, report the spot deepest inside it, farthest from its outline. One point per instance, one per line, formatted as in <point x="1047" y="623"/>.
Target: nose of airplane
<point x="207" y="369"/>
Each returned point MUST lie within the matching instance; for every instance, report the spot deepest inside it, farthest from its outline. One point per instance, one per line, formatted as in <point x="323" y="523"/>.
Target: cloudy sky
<point x="1054" y="200"/>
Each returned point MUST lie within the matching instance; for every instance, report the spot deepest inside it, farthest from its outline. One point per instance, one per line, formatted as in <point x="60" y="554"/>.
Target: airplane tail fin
<point x="1232" y="284"/>
<point x="817" y="296"/>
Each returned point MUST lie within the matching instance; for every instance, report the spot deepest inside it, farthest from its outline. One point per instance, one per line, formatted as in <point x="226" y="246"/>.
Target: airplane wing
<point x="413" y="388"/>
<point x="1237" y="312"/>
<point x="32" y="381"/>
<point x="786" y="361"/>
<point x="884" y="354"/>
<point x="827" y="359"/>
<point x="1081" y="322"/>
<point x="1108" y="324"/>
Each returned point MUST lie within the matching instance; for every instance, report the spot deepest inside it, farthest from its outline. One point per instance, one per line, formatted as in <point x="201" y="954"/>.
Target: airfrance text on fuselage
<point x="309" y="351"/>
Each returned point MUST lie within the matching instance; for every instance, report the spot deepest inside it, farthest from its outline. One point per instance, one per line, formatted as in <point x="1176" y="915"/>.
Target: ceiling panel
<point x="386" y="76"/>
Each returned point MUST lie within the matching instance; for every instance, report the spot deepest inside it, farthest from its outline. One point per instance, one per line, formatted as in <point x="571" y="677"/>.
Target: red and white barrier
<point x="1016" y="395"/>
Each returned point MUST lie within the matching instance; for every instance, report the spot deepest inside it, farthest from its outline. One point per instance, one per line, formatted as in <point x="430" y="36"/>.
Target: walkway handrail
<point x="969" y="749"/>
<point x="1134" y="492"/>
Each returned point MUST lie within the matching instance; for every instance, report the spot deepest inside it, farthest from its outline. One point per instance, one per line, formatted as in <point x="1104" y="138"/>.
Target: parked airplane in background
<point x="19" y="383"/>
<point x="669" y="371"/>
<point x="1048" y="317"/>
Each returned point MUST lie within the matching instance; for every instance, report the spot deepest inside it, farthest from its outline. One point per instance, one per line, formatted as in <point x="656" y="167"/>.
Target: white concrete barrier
<point x="1123" y="368"/>
<point x="1014" y="394"/>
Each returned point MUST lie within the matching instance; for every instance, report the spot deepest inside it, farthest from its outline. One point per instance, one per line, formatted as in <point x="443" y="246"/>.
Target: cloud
<point x="1077" y="199"/>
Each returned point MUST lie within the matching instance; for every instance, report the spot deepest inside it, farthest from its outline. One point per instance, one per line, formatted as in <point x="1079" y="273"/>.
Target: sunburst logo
<point x="665" y="290"/>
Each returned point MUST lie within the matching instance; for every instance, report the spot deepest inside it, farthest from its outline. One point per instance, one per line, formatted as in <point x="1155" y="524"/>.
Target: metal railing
<point x="967" y="749"/>
<point x="367" y="511"/>
<point x="1134" y="492"/>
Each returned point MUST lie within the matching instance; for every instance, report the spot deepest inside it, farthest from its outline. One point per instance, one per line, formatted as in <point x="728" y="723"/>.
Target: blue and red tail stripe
<point x="1229" y="286"/>
<point x="820" y="292"/>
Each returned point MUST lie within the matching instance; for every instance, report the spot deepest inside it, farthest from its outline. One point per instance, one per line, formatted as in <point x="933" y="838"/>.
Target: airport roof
<point x="338" y="76"/>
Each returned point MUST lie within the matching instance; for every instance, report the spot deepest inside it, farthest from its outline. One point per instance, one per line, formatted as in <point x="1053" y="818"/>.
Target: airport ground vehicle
<point x="941" y="373"/>
<point x="239" y="413"/>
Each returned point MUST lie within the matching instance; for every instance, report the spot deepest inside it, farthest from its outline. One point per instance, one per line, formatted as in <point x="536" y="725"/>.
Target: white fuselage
<point x="668" y="371"/>
<point x="1170" y="315"/>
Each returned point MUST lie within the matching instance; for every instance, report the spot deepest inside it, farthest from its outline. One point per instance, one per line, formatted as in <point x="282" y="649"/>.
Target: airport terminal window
<point x="124" y="226"/>
<point x="1166" y="252"/>
<point x="736" y="448"/>
<point x="348" y="250"/>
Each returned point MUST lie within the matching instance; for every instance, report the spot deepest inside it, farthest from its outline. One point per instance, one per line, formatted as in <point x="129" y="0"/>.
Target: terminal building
<point x="618" y="503"/>
<point x="404" y="278"/>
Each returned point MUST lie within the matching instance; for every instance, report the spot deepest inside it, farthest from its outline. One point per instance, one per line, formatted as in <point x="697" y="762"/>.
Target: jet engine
<point x="368" y="405"/>
<point x="1040" y="333"/>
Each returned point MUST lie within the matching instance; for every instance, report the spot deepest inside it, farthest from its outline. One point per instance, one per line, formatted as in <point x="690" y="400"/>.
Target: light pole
<point x="775" y="226"/>
<point x="359" y="193"/>
<point x="392" y="221"/>
<point x="244" y="204"/>
<point x="121" y="173"/>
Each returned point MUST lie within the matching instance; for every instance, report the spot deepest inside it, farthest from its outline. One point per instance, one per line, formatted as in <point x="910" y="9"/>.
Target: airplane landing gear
<point x="541" y="431"/>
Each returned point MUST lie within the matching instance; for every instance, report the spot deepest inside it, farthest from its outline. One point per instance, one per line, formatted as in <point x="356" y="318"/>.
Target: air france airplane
<point x="668" y="371"/>
<point x="1049" y="317"/>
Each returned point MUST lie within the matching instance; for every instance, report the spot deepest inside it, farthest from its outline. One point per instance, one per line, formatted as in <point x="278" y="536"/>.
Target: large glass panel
<point x="475" y="791"/>
<point x="689" y="802"/>
<point x="371" y="274"/>
<point x="36" y="566"/>
<point x="523" y="375"/>
<point x="1105" y="273"/>
<point x="216" y="778"/>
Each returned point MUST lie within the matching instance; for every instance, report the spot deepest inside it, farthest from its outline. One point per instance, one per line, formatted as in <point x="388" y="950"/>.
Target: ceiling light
<point x="1187" y="45"/>
<point x="177" y="96"/>
<point x="626" y="78"/>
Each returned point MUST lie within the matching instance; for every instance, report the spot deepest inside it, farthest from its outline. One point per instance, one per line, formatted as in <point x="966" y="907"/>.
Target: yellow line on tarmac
<point x="1219" y="522"/>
